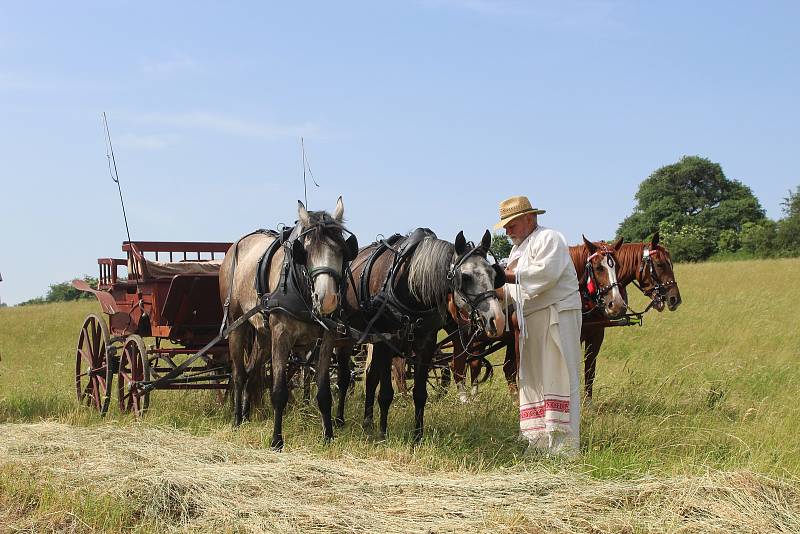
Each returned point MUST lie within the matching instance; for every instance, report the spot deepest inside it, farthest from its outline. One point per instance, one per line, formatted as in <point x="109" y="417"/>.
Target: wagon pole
<point x="112" y="169"/>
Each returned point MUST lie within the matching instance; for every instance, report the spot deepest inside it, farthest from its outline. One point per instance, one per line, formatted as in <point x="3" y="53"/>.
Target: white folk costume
<point x="548" y="309"/>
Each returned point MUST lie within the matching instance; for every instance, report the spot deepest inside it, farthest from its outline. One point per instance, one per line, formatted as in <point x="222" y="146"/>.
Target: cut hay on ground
<point x="184" y="482"/>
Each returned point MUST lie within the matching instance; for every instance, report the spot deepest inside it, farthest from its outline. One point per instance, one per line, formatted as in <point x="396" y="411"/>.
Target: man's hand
<point x="511" y="278"/>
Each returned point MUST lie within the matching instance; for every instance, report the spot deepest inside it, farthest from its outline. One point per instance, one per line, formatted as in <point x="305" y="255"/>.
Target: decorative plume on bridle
<point x="427" y="277"/>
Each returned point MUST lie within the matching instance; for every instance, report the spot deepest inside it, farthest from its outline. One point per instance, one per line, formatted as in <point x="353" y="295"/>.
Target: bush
<point x="689" y="243"/>
<point x="728" y="241"/>
<point x="759" y="238"/>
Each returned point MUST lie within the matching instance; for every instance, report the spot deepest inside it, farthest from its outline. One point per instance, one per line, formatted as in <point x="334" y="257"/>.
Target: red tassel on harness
<point x="590" y="286"/>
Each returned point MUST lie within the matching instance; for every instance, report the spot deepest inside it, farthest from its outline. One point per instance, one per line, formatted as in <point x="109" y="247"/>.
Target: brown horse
<point x="404" y="293"/>
<point x="649" y="267"/>
<point x="597" y="271"/>
<point x="312" y="260"/>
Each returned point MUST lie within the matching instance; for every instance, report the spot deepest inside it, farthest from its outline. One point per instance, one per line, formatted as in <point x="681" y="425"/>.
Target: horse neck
<point x="629" y="258"/>
<point x="579" y="255"/>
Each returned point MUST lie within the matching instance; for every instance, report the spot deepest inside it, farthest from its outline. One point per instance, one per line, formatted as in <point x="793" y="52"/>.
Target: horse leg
<point x="370" y="386"/>
<point x="421" y="367"/>
<point x="383" y="359"/>
<point x="475" y="367"/>
<point x="594" y="340"/>
<point x="510" y="361"/>
<point x="324" y="398"/>
<point x="255" y="373"/>
<point x="280" y="387"/>
<point x="459" y="369"/>
<point x="343" y="362"/>
<point x="236" y="350"/>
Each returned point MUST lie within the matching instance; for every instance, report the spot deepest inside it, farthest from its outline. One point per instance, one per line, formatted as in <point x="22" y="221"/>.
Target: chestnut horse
<point x="597" y="271"/>
<point x="648" y="266"/>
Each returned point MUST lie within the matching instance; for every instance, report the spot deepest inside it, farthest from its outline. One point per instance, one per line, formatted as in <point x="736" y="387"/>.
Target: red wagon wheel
<point x="133" y="368"/>
<point x="93" y="369"/>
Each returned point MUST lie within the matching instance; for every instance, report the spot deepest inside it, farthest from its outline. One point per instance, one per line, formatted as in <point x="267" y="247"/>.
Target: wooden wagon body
<point x="164" y="309"/>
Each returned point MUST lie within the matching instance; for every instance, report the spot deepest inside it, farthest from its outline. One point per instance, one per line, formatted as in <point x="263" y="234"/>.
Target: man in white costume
<point x="543" y="285"/>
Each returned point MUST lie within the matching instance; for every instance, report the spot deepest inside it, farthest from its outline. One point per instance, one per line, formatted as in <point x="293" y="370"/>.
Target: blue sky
<point x="420" y="113"/>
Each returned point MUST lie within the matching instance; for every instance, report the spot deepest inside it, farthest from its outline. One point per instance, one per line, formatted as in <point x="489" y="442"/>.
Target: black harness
<point x="659" y="291"/>
<point x="292" y="295"/>
<point x="395" y="316"/>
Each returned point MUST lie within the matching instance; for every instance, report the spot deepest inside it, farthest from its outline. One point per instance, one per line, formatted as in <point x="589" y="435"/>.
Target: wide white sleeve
<point x="545" y="266"/>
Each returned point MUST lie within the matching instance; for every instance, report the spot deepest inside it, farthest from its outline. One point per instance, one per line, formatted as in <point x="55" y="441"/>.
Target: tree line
<point x="700" y="214"/>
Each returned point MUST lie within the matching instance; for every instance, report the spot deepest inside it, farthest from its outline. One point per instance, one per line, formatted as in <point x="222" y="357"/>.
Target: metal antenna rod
<point x="112" y="162"/>
<point x="115" y="174"/>
<point x="305" y="190"/>
<point x="306" y="165"/>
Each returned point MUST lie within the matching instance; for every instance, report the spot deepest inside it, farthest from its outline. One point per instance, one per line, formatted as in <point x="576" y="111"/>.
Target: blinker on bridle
<point x="454" y="278"/>
<point x="594" y="290"/>
<point x="659" y="290"/>
<point x="300" y="256"/>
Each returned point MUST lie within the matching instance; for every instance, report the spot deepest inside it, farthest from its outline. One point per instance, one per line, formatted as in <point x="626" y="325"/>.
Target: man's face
<point x="520" y="228"/>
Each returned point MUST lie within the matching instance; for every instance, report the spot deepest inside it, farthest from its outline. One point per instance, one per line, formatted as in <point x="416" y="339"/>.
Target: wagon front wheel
<point x="93" y="366"/>
<point x="134" y="368"/>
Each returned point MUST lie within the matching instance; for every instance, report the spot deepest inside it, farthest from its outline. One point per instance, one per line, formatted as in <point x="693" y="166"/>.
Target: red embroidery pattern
<point x="549" y="405"/>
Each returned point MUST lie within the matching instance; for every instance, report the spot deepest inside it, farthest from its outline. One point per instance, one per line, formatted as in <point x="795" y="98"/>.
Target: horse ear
<point x="302" y="215"/>
<point x="589" y="245"/>
<point x="618" y="243"/>
<point x="338" y="212"/>
<point x="486" y="242"/>
<point x="461" y="243"/>
<point x="654" y="240"/>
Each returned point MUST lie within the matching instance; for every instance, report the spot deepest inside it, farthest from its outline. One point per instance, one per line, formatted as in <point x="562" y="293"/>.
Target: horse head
<point x="319" y="244"/>
<point x="600" y="278"/>
<point x="473" y="282"/>
<point x="656" y="278"/>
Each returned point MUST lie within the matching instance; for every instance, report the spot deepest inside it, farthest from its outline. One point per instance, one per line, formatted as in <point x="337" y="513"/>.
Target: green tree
<point x="728" y="241"/>
<point x="759" y="238"/>
<point x="501" y="246"/>
<point x="787" y="238"/>
<point x="693" y="191"/>
<point x="688" y="243"/>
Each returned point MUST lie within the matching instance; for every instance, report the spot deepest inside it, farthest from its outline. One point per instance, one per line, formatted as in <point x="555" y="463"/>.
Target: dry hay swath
<point x="204" y="484"/>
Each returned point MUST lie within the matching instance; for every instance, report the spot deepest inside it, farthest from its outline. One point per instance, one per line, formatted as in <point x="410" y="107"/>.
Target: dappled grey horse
<point x="302" y="282"/>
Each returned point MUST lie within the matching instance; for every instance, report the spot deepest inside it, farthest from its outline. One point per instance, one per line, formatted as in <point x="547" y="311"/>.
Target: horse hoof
<point x="380" y="437"/>
<point x="277" y="444"/>
<point x="368" y="424"/>
<point x="338" y="422"/>
<point x="327" y="439"/>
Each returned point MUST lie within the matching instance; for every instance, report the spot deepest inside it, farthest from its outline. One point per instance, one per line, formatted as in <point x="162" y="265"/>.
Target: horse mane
<point x="579" y="255"/>
<point x="427" y="271"/>
<point x="629" y="258"/>
<point x="323" y="225"/>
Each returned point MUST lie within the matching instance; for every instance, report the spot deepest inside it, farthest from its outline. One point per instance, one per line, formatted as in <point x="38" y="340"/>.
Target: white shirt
<point x="544" y="272"/>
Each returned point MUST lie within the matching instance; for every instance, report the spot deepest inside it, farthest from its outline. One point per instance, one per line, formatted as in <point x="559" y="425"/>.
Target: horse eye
<point x="466" y="277"/>
<point x="600" y="268"/>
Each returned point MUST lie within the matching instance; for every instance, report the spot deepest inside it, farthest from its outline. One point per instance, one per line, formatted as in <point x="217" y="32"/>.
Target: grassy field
<point x="698" y="400"/>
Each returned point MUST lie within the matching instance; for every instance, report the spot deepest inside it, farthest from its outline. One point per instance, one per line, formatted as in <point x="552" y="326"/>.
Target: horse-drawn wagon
<point x="163" y="311"/>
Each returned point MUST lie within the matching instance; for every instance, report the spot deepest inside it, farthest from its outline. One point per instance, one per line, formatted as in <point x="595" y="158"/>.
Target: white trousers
<point x="549" y="380"/>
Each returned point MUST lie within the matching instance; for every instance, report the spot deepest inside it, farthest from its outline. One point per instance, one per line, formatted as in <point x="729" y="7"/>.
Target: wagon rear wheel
<point x="134" y="368"/>
<point x="93" y="367"/>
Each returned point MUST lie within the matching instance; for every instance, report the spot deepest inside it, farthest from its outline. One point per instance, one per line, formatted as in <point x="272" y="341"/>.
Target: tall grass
<point x="712" y="386"/>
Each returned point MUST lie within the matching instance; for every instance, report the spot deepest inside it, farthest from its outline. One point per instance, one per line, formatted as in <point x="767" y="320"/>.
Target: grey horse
<point x="318" y="236"/>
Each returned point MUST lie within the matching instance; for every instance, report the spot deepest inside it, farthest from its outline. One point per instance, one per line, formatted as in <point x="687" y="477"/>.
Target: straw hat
<point x="513" y="207"/>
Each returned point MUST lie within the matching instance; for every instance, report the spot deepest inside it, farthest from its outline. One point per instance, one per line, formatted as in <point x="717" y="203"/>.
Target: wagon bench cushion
<point x="160" y="269"/>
